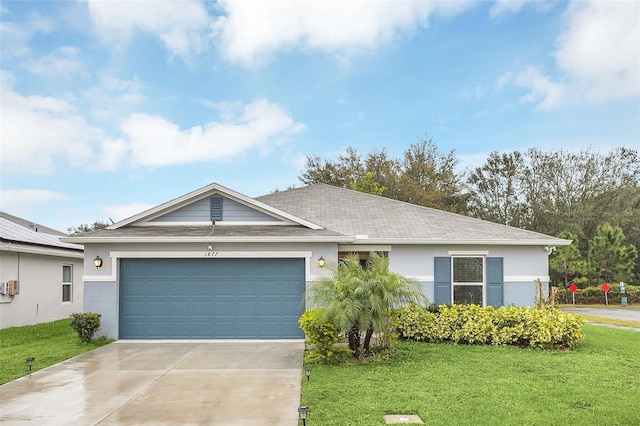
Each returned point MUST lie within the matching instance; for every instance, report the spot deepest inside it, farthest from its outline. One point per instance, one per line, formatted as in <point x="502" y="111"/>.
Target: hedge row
<point x="594" y="295"/>
<point x="472" y="324"/>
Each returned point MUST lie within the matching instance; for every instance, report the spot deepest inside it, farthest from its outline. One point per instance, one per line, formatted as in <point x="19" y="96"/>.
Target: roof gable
<point x="194" y="209"/>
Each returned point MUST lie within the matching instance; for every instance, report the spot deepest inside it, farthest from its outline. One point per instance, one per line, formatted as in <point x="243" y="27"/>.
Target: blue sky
<point x="109" y="108"/>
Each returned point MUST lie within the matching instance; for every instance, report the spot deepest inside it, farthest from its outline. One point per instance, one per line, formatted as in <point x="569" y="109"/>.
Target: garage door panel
<point x="210" y="298"/>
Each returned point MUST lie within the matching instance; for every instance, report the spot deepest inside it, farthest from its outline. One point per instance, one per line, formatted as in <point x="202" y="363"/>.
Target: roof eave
<point x="253" y="239"/>
<point x="495" y="242"/>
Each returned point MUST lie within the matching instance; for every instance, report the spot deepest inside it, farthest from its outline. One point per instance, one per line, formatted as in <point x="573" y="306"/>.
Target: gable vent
<point x="216" y="208"/>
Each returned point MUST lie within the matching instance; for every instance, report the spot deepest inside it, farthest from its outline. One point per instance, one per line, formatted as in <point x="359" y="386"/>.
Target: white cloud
<point x="597" y="58"/>
<point x="504" y="8"/>
<point x="541" y="89"/>
<point x="182" y="26"/>
<point x="124" y="211"/>
<point x="38" y="130"/>
<point x="24" y="202"/>
<point x="600" y="49"/>
<point x="63" y="62"/>
<point x="252" y="31"/>
<point x="43" y="133"/>
<point x="16" y="35"/>
<point x="113" y="98"/>
<point x="154" y="141"/>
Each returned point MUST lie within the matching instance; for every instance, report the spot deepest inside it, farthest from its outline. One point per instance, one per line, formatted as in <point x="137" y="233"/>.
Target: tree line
<point x="588" y="196"/>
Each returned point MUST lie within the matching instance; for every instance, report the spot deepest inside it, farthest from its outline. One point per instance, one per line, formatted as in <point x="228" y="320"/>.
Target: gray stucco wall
<point x="102" y="297"/>
<point x="521" y="266"/>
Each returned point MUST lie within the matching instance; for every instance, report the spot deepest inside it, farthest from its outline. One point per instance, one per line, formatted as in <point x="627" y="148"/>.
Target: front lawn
<point x="49" y="343"/>
<point x="596" y="383"/>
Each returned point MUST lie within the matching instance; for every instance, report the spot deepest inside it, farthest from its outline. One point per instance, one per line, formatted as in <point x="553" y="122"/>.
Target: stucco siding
<point x="521" y="266"/>
<point x="102" y="297"/>
<point x="40" y="281"/>
<point x="519" y="294"/>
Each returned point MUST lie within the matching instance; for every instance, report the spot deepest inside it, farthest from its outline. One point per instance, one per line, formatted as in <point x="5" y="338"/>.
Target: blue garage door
<point x="211" y="298"/>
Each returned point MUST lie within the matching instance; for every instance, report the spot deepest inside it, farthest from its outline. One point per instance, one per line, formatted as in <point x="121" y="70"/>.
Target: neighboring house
<point x="217" y="264"/>
<point x="40" y="275"/>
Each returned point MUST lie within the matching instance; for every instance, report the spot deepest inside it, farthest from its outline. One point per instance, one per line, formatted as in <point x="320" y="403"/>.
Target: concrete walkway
<point x="163" y="383"/>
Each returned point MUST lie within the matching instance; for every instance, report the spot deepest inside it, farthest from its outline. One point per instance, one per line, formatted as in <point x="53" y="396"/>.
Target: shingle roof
<point x="343" y="216"/>
<point x="17" y="230"/>
<point x="355" y="213"/>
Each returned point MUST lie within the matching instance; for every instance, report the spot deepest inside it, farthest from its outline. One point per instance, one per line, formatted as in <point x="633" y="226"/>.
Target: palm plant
<point x="360" y="299"/>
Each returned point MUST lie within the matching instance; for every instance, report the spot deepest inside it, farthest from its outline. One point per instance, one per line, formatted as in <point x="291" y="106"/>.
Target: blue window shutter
<point x="495" y="282"/>
<point x="442" y="280"/>
<point x="216" y="208"/>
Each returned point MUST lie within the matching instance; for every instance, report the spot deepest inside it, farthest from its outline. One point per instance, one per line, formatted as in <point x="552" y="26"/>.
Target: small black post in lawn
<point x="302" y="414"/>
<point x="30" y="362"/>
<point x="307" y="371"/>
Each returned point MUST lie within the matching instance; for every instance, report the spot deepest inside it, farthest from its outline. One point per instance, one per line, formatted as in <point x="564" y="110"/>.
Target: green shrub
<point x="85" y="324"/>
<point x="472" y="324"/>
<point x="322" y="334"/>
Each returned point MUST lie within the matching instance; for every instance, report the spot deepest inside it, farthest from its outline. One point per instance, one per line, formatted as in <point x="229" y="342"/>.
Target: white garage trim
<point x="115" y="255"/>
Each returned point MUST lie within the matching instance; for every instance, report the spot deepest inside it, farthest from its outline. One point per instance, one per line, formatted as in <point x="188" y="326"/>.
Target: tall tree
<point x="566" y="263"/>
<point x="84" y="228"/>
<point x="610" y="260"/>
<point x="368" y="185"/>
<point x="496" y="189"/>
<point x="423" y="176"/>
<point x="428" y="178"/>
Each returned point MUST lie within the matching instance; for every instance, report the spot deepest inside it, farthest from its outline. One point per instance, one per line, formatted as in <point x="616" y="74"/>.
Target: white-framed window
<point x="468" y="274"/>
<point x="67" y="282"/>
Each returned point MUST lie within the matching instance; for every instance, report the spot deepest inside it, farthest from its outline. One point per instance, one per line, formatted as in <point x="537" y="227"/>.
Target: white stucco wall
<point x="40" y="280"/>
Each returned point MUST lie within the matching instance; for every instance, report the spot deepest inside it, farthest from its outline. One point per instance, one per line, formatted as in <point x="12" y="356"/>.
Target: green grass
<point x="49" y="343"/>
<point x="596" y="383"/>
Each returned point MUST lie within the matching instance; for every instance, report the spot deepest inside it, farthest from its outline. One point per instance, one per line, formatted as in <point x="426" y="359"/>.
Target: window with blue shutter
<point x="442" y="280"/>
<point x="216" y="208"/>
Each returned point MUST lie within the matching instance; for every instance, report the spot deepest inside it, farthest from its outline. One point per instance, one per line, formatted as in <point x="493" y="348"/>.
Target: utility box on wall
<point x="10" y="287"/>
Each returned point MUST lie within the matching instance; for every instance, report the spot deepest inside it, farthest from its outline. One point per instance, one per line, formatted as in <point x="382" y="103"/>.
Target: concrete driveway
<point x="156" y="383"/>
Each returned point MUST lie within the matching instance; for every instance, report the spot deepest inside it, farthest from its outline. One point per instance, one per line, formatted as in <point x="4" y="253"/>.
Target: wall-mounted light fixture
<point x="321" y="262"/>
<point x="302" y="414"/>
<point x="97" y="262"/>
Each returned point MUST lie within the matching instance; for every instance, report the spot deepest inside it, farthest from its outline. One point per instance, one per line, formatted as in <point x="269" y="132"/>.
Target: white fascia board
<point x="364" y="247"/>
<point x="419" y="241"/>
<point x="525" y="278"/>
<point x="213" y="188"/>
<point x="44" y="251"/>
<point x="213" y="239"/>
